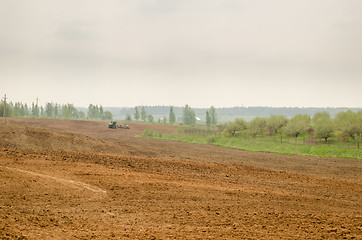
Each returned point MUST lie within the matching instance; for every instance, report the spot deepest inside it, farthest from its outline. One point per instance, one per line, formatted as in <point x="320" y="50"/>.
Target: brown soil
<point x="80" y="180"/>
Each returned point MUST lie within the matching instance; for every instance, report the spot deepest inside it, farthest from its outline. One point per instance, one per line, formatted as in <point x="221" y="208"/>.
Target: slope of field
<point x="80" y="180"/>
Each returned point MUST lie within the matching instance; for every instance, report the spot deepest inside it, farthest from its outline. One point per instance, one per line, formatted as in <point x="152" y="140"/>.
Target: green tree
<point x="281" y="132"/>
<point x="172" y="116"/>
<point x="34" y="109"/>
<point x="66" y="112"/>
<point x="25" y="110"/>
<point x="233" y="128"/>
<point x="275" y="122"/>
<point x="299" y="124"/>
<point x="81" y="115"/>
<point x="208" y="119"/>
<point x="128" y="117"/>
<point x="107" y="115"/>
<point x="96" y="113"/>
<point x="143" y="114"/>
<point x="322" y="125"/>
<point x="213" y="115"/>
<point x="56" y="110"/>
<point x="257" y="126"/>
<point x="350" y="124"/>
<point x="9" y="109"/>
<point x="42" y="111"/>
<point x="150" y="118"/>
<point x="70" y="112"/>
<point x="49" y="110"/>
<point x="16" y="109"/>
<point x="92" y="111"/>
<point x="189" y="117"/>
<point x="136" y="114"/>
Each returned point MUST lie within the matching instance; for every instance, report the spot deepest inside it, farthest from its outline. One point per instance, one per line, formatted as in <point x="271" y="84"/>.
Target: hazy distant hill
<point x="225" y="114"/>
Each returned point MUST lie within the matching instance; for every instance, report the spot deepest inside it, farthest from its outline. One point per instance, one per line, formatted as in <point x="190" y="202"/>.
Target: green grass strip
<point x="337" y="150"/>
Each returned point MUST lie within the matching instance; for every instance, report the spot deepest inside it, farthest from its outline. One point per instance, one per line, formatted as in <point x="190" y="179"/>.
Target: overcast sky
<point x="293" y="53"/>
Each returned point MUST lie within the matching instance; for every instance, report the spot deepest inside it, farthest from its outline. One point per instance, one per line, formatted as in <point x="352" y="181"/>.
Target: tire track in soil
<point x="62" y="180"/>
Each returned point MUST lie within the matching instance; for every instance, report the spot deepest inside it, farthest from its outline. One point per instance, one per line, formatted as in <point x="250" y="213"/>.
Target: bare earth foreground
<point x="80" y="180"/>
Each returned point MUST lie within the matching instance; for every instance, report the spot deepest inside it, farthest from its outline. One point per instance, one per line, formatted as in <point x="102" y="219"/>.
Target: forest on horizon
<point x="226" y="114"/>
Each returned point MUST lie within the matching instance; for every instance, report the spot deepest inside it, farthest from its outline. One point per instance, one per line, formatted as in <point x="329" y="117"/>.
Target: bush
<point x="159" y="135"/>
<point x="211" y="140"/>
<point x="152" y="134"/>
<point x="148" y="133"/>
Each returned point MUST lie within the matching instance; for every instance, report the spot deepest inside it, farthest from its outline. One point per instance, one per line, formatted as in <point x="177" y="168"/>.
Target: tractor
<point x="113" y="125"/>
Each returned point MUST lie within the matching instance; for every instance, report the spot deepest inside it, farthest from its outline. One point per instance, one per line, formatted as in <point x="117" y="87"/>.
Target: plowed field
<point x="80" y="180"/>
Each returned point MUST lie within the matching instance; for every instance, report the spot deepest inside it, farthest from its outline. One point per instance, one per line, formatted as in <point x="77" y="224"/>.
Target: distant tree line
<point x="188" y="116"/>
<point x="227" y="114"/>
<point x="230" y="113"/>
<point x="345" y="126"/>
<point x="288" y="112"/>
<point x="54" y="110"/>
